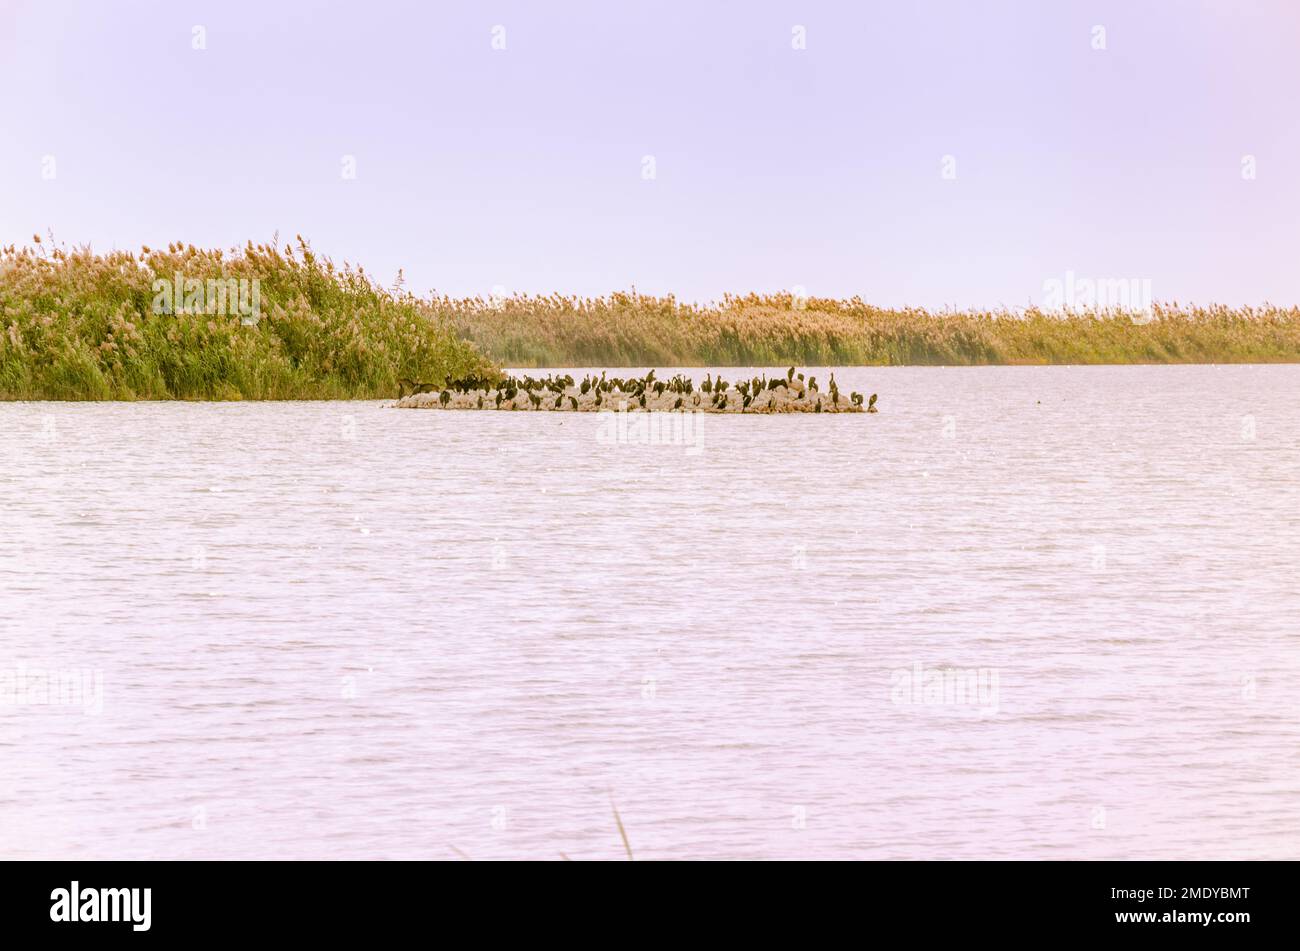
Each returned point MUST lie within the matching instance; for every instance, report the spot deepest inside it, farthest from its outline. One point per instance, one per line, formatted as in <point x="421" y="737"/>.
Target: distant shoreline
<point x="279" y="322"/>
<point x="634" y="330"/>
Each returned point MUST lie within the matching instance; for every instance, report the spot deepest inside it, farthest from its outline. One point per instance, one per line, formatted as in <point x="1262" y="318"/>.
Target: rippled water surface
<point x="341" y="630"/>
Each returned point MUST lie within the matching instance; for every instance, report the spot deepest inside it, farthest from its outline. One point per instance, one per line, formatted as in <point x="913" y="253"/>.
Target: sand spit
<point x="780" y="400"/>
<point x="790" y="393"/>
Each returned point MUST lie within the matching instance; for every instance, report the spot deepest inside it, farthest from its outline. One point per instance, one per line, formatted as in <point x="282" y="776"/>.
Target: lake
<point x="1037" y="612"/>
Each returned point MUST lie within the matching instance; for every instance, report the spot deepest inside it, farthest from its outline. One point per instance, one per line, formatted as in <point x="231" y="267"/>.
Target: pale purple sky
<point x="775" y="167"/>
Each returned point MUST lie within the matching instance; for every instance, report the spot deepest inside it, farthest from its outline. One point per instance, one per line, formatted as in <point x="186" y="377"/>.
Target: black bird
<point x="678" y="404"/>
<point x="707" y="385"/>
<point x="444" y="397"/>
<point x="871" y="404"/>
<point x="404" y="384"/>
<point x="573" y="402"/>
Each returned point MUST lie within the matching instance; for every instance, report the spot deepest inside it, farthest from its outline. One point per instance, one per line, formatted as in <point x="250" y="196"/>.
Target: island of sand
<point x="791" y="393"/>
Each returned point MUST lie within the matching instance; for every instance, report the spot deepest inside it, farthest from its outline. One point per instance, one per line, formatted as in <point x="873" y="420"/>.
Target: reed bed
<point x="79" y="325"/>
<point x="777" y="330"/>
<point x="75" y="325"/>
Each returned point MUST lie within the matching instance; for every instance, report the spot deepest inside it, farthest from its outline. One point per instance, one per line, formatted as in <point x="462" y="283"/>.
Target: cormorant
<point x="404" y="384"/>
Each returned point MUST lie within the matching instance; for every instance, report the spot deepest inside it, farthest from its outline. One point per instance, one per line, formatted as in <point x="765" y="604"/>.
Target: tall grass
<point x="776" y="330"/>
<point x="79" y="325"/>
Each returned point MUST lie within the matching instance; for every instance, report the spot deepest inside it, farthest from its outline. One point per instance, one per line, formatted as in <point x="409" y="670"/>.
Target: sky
<point x="939" y="153"/>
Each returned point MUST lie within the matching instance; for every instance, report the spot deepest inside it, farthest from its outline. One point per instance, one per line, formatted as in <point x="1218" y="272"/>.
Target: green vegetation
<point x="635" y="330"/>
<point x="79" y="325"/>
<point x="76" y="325"/>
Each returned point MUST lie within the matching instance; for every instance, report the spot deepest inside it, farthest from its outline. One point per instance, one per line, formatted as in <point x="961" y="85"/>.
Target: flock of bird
<point x="554" y="392"/>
